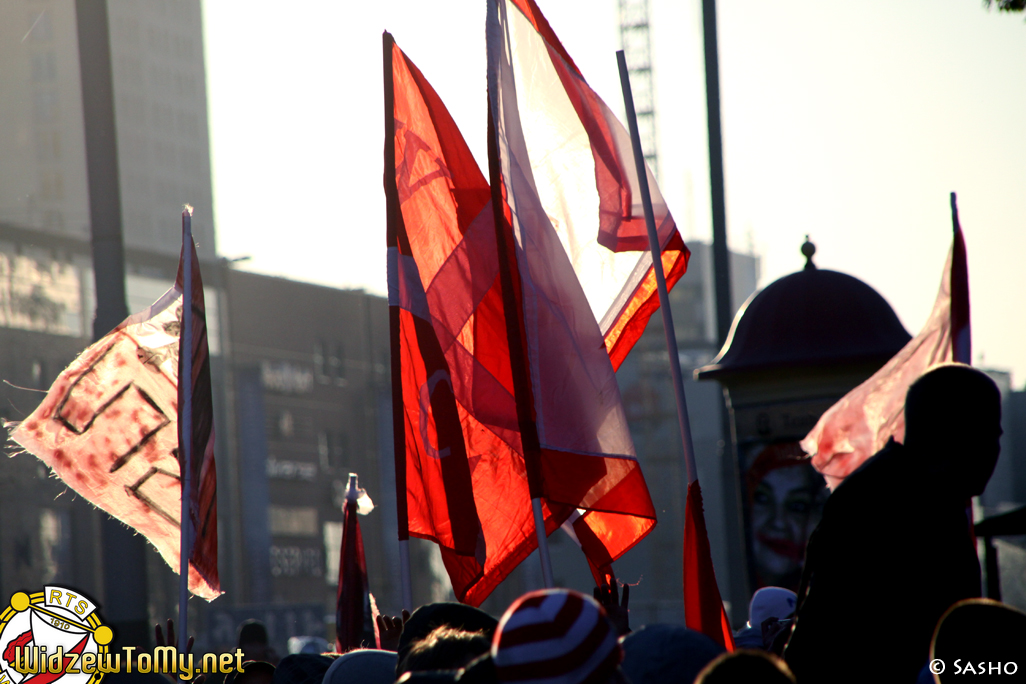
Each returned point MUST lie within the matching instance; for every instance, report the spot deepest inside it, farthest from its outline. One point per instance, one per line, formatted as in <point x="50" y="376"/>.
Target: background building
<point x="47" y="296"/>
<point x="309" y="402"/>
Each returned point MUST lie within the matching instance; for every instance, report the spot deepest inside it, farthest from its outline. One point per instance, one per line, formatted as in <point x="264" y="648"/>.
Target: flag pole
<point x="391" y="240"/>
<point x="543" y="543"/>
<point x="657" y="265"/>
<point x="404" y="571"/>
<point x="185" y="429"/>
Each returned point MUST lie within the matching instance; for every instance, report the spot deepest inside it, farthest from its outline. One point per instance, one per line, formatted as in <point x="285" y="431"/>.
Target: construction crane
<point x="637" y="48"/>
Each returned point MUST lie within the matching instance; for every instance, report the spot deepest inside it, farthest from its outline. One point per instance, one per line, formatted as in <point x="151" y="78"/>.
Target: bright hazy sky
<point x="848" y="121"/>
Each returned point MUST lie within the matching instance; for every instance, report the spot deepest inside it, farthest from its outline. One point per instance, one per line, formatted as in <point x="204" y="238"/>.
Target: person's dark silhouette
<point x="894" y="548"/>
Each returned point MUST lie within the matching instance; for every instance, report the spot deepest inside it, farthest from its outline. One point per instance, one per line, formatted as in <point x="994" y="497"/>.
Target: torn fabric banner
<point x="108" y="427"/>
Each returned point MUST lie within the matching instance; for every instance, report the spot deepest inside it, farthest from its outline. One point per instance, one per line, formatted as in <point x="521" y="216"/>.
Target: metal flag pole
<point x="185" y="429"/>
<point x="657" y="265"/>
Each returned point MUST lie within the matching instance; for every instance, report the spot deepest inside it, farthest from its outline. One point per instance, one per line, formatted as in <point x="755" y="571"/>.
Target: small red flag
<point x="354" y="607"/>
<point x="703" y="607"/>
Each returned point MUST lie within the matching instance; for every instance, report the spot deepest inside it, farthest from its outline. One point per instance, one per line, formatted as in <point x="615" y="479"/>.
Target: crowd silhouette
<point x="889" y="593"/>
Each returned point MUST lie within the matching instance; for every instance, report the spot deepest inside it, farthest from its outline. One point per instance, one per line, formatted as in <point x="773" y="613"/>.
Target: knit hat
<point x="555" y="636"/>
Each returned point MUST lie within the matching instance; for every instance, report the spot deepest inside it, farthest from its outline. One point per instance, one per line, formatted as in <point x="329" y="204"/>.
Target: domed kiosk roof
<point x="811" y="318"/>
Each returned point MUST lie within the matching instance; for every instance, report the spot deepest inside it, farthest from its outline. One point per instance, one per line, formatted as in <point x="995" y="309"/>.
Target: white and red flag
<point x="860" y="424"/>
<point x="108" y="427"/>
<point x="564" y="181"/>
<point x="567" y="164"/>
<point x="465" y="393"/>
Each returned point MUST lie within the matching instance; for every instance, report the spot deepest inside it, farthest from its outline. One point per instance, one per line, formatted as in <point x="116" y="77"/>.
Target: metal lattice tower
<point x="637" y="48"/>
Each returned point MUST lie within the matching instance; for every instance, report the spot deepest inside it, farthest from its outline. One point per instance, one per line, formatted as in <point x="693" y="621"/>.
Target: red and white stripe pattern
<point x="555" y="636"/>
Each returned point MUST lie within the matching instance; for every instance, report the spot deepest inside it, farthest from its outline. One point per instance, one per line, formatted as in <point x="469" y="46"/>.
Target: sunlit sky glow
<point x="847" y="121"/>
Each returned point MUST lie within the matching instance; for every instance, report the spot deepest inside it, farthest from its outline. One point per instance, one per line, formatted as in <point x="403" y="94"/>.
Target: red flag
<point x="860" y="424"/>
<point x="203" y="485"/>
<point x="564" y="180"/>
<point x="468" y="457"/>
<point x="438" y="224"/>
<point x="355" y="611"/>
<point x="108" y="427"/>
<point x="703" y="607"/>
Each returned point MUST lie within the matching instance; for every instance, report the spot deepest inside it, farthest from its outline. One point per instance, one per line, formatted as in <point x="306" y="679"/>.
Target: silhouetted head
<point x="445" y="648"/>
<point x="666" y="654"/>
<point x="953" y="421"/>
<point x="985" y="635"/>
<point x="431" y="616"/>
<point x="362" y="666"/>
<point x="252" y="632"/>
<point x="746" y="666"/>
<point x="255" y="672"/>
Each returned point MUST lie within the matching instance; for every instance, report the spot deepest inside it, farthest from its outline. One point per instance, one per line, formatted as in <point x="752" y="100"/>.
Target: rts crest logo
<point x="52" y="635"/>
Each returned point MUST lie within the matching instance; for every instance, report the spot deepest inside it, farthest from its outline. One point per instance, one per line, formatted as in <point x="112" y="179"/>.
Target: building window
<point x="289" y="521"/>
<point x="332" y="550"/>
<point x="318" y="359"/>
<point x="37" y="374"/>
<point x="332" y="448"/>
<point x="286" y="424"/>
<point x="324" y="449"/>
<point x="339" y="450"/>
<point x="55" y="543"/>
<point x="337" y="365"/>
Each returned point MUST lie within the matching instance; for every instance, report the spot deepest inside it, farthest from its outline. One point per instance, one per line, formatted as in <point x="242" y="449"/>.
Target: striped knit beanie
<point x="555" y="636"/>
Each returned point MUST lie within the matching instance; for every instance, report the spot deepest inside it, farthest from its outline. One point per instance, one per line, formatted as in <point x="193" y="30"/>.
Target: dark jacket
<point x="892" y="552"/>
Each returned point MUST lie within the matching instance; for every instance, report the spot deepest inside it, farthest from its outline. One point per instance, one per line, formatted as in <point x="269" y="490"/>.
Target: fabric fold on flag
<point x="578" y="158"/>
<point x="108" y="427"/>
<point x="862" y="422"/>
<point x="703" y="607"/>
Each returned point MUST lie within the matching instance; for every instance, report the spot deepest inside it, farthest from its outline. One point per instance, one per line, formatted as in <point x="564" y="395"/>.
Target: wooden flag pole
<point x="543" y="543"/>
<point x="185" y="429"/>
<point x="657" y="265"/>
<point x="394" y="217"/>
